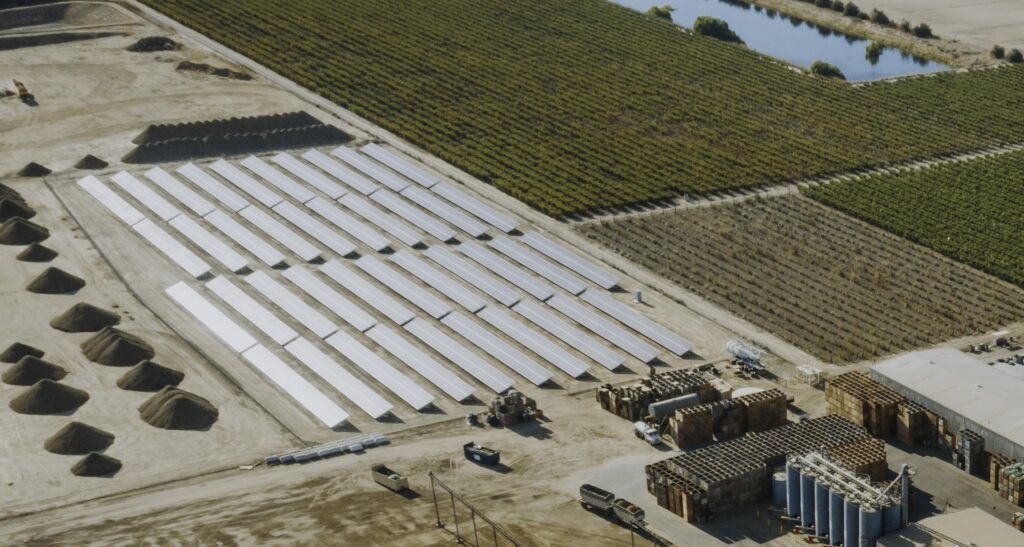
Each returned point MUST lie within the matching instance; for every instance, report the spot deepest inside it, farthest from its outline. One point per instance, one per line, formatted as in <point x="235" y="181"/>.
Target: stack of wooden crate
<point x="632" y="401"/>
<point x="864" y="401"/>
<point x="864" y="456"/>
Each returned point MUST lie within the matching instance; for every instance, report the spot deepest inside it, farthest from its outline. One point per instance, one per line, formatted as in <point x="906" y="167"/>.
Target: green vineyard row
<point x="580" y="105"/>
<point x="972" y="211"/>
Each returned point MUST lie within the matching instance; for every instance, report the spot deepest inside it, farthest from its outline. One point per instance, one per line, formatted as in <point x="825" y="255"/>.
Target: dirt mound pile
<point x="29" y="370"/>
<point x="154" y="43"/>
<point x="18" y="231"/>
<point x="149" y="376"/>
<point x="10" y="208"/>
<point x="78" y="438"/>
<point x="33" y="169"/>
<point x="116" y="348"/>
<point x="17" y="350"/>
<point x="91" y="162"/>
<point x="96" y="465"/>
<point x="84" y="317"/>
<point x="49" y="397"/>
<point x="6" y="192"/>
<point x="213" y="71"/>
<point x="172" y="408"/>
<point x="37" y="253"/>
<point x="55" y="281"/>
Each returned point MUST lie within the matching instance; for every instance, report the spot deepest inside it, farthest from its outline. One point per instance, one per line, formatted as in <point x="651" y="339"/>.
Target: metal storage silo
<point x="779" y="488"/>
<point x="821" y="492"/>
<point x="892" y="518"/>
<point x="806" y="499"/>
<point x="851" y="522"/>
<point x="835" y="516"/>
<point x="792" y="489"/>
<point x="870" y="526"/>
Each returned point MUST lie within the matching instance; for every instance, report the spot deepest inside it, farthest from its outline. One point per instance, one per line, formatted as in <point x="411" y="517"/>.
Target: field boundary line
<point x="786" y="188"/>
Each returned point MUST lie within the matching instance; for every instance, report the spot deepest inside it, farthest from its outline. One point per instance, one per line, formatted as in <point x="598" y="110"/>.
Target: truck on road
<point x="597" y="499"/>
<point x="646" y="432"/>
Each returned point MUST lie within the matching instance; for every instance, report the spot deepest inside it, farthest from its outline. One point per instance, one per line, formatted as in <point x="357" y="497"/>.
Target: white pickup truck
<point x="647" y="433"/>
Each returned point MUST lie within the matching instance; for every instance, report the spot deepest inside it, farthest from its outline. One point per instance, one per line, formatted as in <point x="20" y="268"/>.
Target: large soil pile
<point x="96" y="465"/>
<point x="17" y="350"/>
<point x="83" y="317"/>
<point x="33" y="169"/>
<point x="49" y="397"/>
<point x="18" y="231"/>
<point x="29" y="370"/>
<point x="149" y="376"/>
<point x="78" y="438"/>
<point x="172" y="408"/>
<point x="116" y="348"/>
<point x="36" y="253"/>
<point x="10" y="208"/>
<point x="154" y="43"/>
<point x="90" y="162"/>
<point x="55" y="281"/>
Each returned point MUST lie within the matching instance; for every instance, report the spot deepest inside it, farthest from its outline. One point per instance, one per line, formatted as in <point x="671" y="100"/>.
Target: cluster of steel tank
<point x="826" y="504"/>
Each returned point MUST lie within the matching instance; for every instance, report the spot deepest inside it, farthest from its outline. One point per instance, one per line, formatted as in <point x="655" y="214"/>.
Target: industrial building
<point x="972" y="527"/>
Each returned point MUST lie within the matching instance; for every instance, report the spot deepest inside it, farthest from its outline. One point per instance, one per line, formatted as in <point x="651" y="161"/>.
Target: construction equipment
<point x="647" y="433"/>
<point x="472" y="420"/>
<point x="389" y="479"/>
<point x="481" y="454"/>
<point x="512" y="408"/>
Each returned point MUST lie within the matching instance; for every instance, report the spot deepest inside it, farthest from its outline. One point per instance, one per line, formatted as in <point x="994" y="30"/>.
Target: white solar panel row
<point x="397" y="282"/>
<point x="536" y="342"/>
<point x="188" y="197"/>
<point x="278" y="179"/>
<point x="251" y="310"/>
<point x="246" y="183"/>
<point x="370" y="294"/>
<point x="400" y="163"/>
<point x="475" y="207"/>
<point x="441" y="209"/>
<point x="228" y="197"/>
<point x="172" y="248"/>
<point x="316" y="229"/>
<point x="210" y="316"/>
<point x="604" y="328"/>
<point x="340" y="379"/>
<point x="381" y="370"/>
<point x="430" y="275"/>
<point x="538" y="265"/>
<point x="458" y="354"/>
<point x="357" y="229"/>
<point x="382" y="220"/>
<point x="113" y="202"/>
<point x="414" y="216"/>
<point x="310" y="176"/>
<point x="473" y="275"/>
<point x="505" y="269"/>
<point x="297" y="387"/>
<point x="419" y="361"/>
<point x="497" y="348"/>
<point x="281" y="233"/>
<point x="558" y="253"/>
<point x="370" y="168"/>
<point x="574" y="337"/>
<point x="341" y="172"/>
<point x="135" y="188"/>
<point x="631" y="318"/>
<point x="330" y="298"/>
<point x="245" y="238"/>
<point x="210" y="243"/>
<point x="291" y="304"/>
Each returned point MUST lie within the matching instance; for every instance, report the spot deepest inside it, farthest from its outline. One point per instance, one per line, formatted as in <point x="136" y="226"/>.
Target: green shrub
<point x="821" y="68"/>
<point x="905" y="26"/>
<point x="715" y="28"/>
<point x="1015" y="56"/>
<point x="879" y="16"/>
<point x="663" y="12"/>
<point x="851" y="10"/>
<point x="823" y="3"/>
<point x="923" y="31"/>
<point x="838" y="5"/>
<point x="874" y="50"/>
<point x="998" y="52"/>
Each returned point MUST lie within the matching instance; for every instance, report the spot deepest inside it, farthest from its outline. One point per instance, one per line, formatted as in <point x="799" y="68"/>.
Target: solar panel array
<point x="564" y="326"/>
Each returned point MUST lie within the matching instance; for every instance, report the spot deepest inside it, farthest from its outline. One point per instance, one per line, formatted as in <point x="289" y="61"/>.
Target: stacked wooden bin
<point x="723" y="420"/>
<point x="632" y="401"/>
<point x="864" y="401"/>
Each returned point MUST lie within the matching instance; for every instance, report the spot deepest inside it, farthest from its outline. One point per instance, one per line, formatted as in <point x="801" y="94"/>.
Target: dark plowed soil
<point x="17" y="350"/>
<point x="37" y="253"/>
<point x="78" y="438"/>
<point x="96" y="465"/>
<point x="91" y="162"/>
<point x="29" y="370"/>
<point x="49" y="397"/>
<point x="55" y="281"/>
<point x="10" y="208"/>
<point x="149" y="376"/>
<point x="83" y="317"/>
<point x="116" y="348"/>
<point x="18" y="231"/>
<point x="33" y="169"/>
<point x="172" y="408"/>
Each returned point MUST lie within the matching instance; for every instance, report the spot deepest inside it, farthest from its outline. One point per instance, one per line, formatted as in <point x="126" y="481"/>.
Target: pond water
<point x="794" y="40"/>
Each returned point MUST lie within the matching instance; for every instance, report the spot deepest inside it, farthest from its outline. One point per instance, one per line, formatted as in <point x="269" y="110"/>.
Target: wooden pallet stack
<point x="864" y="456"/>
<point x="996" y="464"/>
<point x="915" y="424"/>
<point x="1011" y="483"/>
<point x="723" y="420"/>
<point x="864" y="401"/>
<point x="631" y="401"/>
